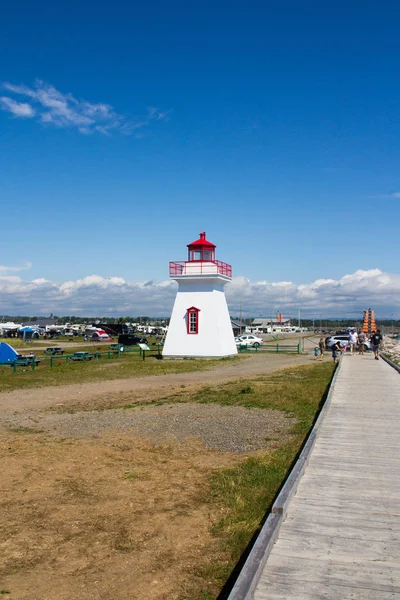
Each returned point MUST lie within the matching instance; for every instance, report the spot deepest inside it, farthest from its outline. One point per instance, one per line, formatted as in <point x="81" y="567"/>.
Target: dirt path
<point x="138" y="387"/>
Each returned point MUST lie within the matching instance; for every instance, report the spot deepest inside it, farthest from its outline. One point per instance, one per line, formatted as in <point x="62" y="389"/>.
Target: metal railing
<point x="276" y="348"/>
<point x="212" y="267"/>
<point x="54" y="359"/>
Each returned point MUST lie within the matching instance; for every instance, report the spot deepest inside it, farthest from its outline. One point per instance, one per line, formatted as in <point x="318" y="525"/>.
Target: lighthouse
<point x="200" y="324"/>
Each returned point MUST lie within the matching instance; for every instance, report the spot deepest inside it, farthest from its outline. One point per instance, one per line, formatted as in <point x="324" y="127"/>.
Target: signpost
<point x="143" y="348"/>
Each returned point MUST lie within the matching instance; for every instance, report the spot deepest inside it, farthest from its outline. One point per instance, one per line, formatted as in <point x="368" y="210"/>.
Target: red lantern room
<point x="201" y="249"/>
<point x="201" y="261"/>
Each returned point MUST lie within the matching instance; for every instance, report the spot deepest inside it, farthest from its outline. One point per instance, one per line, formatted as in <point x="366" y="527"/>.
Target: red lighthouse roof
<point x="201" y="261"/>
<point x="201" y="242"/>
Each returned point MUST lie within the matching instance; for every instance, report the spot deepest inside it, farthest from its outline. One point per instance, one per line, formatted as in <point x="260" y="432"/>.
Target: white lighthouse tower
<point x="200" y="325"/>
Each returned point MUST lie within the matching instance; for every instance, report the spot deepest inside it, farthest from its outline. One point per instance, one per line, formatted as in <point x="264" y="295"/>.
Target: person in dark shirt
<point x="376" y="339"/>
<point x="336" y="350"/>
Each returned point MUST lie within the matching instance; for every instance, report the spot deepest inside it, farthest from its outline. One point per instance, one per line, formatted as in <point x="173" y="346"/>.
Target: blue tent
<point x="28" y="332"/>
<point x="7" y="354"/>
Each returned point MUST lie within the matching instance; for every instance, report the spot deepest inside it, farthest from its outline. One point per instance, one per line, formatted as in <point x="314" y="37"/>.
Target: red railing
<point x="185" y="267"/>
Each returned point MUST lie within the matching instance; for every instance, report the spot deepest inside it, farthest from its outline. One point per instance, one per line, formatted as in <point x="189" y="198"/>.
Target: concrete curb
<point x="251" y="572"/>
<point x="390" y="362"/>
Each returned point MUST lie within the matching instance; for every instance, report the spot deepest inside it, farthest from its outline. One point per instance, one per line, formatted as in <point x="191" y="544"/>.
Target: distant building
<point x="238" y="328"/>
<point x="264" y="325"/>
<point x="42" y="323"/>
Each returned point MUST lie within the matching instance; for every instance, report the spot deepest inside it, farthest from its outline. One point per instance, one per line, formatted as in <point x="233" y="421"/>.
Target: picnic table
<point x="55" y="350"/>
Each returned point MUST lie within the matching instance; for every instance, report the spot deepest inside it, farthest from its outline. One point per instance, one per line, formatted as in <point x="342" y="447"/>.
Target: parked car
<point x="131" y="340"/>
<point x="344" y="340"/>
<point x="54" y="350"/>
<point x="81" y="356"/>
<point x="248" y="339"/>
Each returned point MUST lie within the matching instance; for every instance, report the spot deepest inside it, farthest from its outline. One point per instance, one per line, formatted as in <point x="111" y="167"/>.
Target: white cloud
<point x="386" y="196"/>
<point x="19" y="109"/>
<point x="97" y="295"/>
<point x="24" y="267"/>
<point x="55" y="108"/>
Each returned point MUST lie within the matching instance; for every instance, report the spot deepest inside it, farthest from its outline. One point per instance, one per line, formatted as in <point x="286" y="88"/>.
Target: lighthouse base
<point x="214" y="338"/>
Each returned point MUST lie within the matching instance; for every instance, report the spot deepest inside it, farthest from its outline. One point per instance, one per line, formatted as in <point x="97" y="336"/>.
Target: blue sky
<point x="127" y="129"/>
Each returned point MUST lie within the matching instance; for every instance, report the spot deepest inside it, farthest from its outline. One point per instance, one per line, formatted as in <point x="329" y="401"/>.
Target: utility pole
<point x="299" y="320"/>
<point x="240" y="321"/>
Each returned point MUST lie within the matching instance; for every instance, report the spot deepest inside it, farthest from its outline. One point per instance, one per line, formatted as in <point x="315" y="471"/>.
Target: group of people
<point x="319" y="350"/>
<point x="357" y="343"/>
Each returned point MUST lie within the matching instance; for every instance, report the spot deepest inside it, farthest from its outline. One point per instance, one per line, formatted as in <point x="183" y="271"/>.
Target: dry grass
<point x="118" y="517"/>
<point x="125" y="366"/>
<point x="75" y="523"/>
<point x="245" y="492"/>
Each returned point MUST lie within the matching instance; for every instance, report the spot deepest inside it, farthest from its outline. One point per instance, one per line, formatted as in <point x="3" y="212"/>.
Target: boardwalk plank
<point x="323" y="591"/>
<point x="341" y="537"/>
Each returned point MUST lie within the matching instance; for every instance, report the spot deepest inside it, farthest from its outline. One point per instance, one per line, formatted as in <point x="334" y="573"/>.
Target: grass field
<point x="244" y="493"/>
<point x="41" y="344"/>
<point x="16" y="343"/>
<point x="163" y="521"/>
<point x="126" y="366"/>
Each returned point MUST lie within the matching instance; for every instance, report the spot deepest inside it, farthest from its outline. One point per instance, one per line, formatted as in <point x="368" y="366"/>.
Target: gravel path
<point x="226" y="428"/>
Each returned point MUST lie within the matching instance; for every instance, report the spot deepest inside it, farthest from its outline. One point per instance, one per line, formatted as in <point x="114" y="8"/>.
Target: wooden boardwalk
<point x="341" y="536"/>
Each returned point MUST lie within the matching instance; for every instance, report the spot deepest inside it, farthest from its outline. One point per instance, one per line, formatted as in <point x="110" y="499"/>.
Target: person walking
<point x="321" y="345"/>
<point x="353" y="339"/>
<point x="316" y="352"/>
<point x="376" y="339"/>
<point x="361" y="342"/>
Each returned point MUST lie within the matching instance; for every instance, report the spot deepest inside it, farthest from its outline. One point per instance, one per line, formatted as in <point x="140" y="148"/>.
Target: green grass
<point x="130" y="476"/>
<point x="16" y="343"/>
<point x="239" y="497"/>
<point x="242" y="495"/>
<point x="126" y="366"/>
<point x="395" y="360"/>
<point x="294" y="390"/>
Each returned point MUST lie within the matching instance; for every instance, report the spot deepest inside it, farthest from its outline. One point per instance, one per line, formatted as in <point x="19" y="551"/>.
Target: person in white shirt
<point x="353" y="339"/>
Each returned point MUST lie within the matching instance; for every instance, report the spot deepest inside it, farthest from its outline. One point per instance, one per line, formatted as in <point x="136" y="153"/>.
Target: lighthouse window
<point x="193" y="320"/>
<point x="207" y="255"/>
<point x="197" y="255"/>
